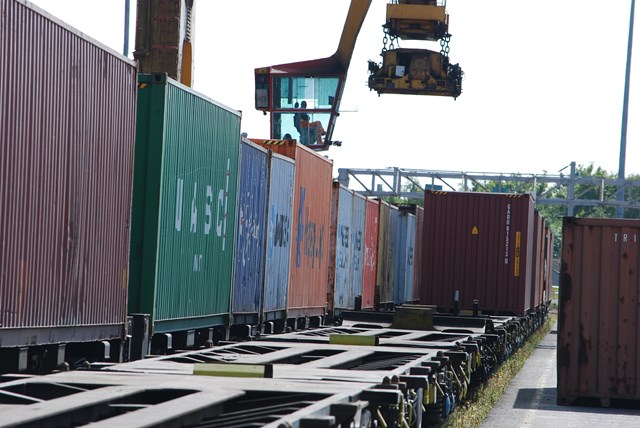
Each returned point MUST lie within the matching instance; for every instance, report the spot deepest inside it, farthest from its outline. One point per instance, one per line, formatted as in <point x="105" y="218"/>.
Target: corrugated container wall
<point x="340" y="293"/>
<point x="307" y="294"/>
<point x="417" y="272"/>
<point x="537" y="258"/>
<point x="357" y="247"/>
<point x="184" y="206"/>
<point x="250" y="234"/>
<point x="405" y="257"/>
<point x="478" y="246"/>
<point x="67" y="129"/>
<point x="370" y="256"/>
<point x="382" y="296"/>
<point x="547" y="274"/>
<point x="393" y="251"/>
<point x="279" y="233"/>
<point x="599" y="311"/>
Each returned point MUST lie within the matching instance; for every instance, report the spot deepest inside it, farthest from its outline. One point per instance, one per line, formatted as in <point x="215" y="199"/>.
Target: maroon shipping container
<point x="477" y="246"/>
<point x="370" y="253"/>
<point x="599" y="311"/>
<point x="538" y="259"/>
<point x="67" y="130"/>
<point x="547" y="274"/>
<point x="308" y="285"/>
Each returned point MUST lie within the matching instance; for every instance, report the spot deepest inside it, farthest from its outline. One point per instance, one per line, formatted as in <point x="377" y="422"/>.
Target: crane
<point x="303" y="98"/>
<point x="309" y="92"/>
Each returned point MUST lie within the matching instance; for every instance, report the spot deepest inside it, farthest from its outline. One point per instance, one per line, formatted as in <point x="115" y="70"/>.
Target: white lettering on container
<point x="179" y="195"/>
<point x="194" y="209"/>
<point x="207" y="210"/>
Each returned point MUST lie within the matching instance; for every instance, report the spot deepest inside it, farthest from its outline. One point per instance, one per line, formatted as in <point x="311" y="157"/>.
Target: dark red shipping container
<point x="477" y="246"/>
<point x="599" y="312"/>
<point x="67" y="130"/>
<point x="370" y="253"/>
<point x="538" y="259"/>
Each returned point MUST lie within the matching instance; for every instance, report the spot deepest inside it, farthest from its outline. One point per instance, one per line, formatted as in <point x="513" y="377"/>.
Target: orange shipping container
<point x="308" y="283"/>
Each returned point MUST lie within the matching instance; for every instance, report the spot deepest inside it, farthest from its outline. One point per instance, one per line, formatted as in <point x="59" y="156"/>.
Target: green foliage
<point x="412" y="186"/>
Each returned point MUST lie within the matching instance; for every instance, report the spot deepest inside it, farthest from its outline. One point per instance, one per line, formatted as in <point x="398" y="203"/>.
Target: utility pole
<point x="625" y="113"/>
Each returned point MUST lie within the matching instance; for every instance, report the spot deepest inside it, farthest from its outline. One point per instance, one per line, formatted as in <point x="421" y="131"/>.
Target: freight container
<point x="279" y="233"/>
<point x="184" y="209"/>
<point x="417" y="271"/>
<point x="370" y="254"/>
<point x="477" y="248"/>
<point x="384" y="294"/>
<point x="345" y="249"/>
<point x="598" y="314"/>
<point x="67" y="132"/>
<point x="404" y="259"/>
<point x="357" y="248"/>
<point x="392" y="255"/>
<point x="250" y="234"/>
<point x="538" y="259"/>
<point x="307" y="295"/>
<point x="339" y="287"/>
<point x="545" y="296"/>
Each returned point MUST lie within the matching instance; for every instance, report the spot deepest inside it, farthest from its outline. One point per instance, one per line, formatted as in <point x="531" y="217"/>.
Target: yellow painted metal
<point x="353" y="339"/>
<point x="233" y="370"/>
<point x="417" y="22"/>
<point x="414" y="317"/>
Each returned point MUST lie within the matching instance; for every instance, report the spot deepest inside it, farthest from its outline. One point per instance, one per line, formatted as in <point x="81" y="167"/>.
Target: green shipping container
<point x="184" y="207"/>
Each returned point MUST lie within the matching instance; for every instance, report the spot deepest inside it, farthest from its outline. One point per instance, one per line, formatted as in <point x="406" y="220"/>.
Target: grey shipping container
<point x="405" y="261"/>
<point x="67" y="131"/>
<point x="599" y="312"/>
<point x="250" y="234"/>
<point x="184" y="207"/>
<point x="340" y="292"/>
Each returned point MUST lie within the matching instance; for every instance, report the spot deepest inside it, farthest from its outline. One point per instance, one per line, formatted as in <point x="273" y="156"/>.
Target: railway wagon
<point x="67" y="133"/>
<point x="309" y="266"/>
<point x="249" y="265"/>
<point x="183" y="216"/>
<point x="477" y="252"/>
<point x="598" y="312"/>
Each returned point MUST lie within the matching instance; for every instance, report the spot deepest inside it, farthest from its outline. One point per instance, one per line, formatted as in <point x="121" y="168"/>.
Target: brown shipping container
<point x="477" y="246"/>
<point x="370" y="253"/>
<point x="67" y="130"/>
<point x="308" y="286"/>
<point x="599" y="311"/>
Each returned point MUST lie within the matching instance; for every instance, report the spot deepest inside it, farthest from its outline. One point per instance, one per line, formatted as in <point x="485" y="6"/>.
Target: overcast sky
<point x="544" y="82"/>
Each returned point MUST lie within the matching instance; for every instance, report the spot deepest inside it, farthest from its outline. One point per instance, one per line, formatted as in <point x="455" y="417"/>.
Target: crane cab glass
<point x="302" y="108"/>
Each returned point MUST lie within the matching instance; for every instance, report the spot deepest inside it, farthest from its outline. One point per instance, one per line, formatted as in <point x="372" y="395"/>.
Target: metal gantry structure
<point x="393" y="182"/>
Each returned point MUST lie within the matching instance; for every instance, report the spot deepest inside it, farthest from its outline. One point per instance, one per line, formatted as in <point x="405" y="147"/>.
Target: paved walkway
<point x="530" y="399"/>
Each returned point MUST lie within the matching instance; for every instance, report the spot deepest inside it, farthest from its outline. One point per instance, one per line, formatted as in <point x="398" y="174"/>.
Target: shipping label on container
<point x="506" y="235"/>
<point x="516" y="261"/>
<point x="309" y="237"/>
<point x="203" y="210"/>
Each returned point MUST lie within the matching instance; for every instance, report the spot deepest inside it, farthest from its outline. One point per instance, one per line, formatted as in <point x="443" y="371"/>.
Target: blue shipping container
<point x="250" y="234"/>
<point x="392" y="254"/>
<point x="343" y="293"/>
<point x="278" y="254"/>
